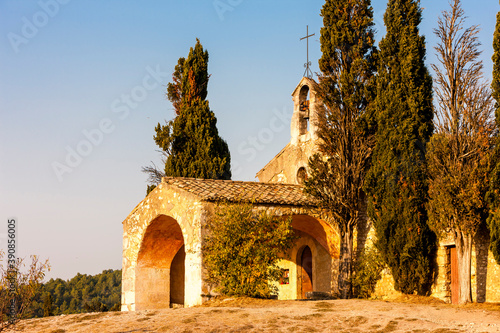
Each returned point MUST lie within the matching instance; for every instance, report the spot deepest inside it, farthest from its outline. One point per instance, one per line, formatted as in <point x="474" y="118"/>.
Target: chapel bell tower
<point x="290" y="166"/>
<point x="305" y="112"/>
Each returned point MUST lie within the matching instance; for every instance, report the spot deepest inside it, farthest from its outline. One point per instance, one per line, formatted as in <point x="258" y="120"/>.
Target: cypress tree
<point x="338" y="174"/>
<point x="396" y="183"/>
<point x="191" y="141"/>
<point x="493" y="195"/>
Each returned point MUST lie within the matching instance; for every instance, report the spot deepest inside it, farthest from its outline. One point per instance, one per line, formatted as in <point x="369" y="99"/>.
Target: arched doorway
<point x="177" y="271"/>
<point x="306" y="271"/>
<point x="160" y="268"/>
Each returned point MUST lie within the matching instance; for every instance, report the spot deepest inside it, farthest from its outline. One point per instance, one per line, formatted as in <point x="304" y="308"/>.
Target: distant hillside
<point x="83" y="293"/>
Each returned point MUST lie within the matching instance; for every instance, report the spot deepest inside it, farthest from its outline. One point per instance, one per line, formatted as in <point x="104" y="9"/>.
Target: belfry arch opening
<point x="304" y="109"/>
<point x="160" y="271"/>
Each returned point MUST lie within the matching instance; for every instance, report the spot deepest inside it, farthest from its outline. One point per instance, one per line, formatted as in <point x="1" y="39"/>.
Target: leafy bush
<point x="18" y="287"/>
<point x="243" y="248"/>
<point x="368" y="268"/>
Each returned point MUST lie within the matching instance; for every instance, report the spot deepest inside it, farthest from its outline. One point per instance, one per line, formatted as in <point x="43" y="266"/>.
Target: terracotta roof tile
<point x="262" y="193"/>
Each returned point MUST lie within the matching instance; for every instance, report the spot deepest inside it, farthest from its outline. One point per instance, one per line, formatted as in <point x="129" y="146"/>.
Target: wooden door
<point x="454" y="275"/>
<point x="306" y="265"/>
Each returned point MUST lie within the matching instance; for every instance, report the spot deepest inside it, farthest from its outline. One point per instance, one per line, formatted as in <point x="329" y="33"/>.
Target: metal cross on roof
<point x="307" y="73"/>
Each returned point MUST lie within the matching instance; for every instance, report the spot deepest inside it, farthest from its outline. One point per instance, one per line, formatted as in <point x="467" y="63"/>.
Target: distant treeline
<point x="83" y="293"/>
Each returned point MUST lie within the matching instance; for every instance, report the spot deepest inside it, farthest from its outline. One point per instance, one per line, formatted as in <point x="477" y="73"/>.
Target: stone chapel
<point x="162" y="237"/>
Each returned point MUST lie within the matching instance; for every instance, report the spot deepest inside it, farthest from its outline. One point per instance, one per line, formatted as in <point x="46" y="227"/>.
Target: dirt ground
<point x="248" y="315"/>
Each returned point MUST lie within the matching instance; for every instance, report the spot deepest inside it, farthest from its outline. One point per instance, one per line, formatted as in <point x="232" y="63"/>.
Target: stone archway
<point x="160" y="267"/>
<point x="311" y="265"/>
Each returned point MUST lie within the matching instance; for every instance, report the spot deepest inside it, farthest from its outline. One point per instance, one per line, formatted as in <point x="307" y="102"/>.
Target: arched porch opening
<point x="311" y="262"/>
<point x="319" y="230"/>
<point x="160" y="271"/>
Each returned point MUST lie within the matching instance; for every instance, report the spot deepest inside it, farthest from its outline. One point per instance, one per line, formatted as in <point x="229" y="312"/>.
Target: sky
<point x="82" y="87"/>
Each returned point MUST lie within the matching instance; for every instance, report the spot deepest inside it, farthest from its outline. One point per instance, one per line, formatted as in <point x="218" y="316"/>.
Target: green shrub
<point x="243" y="248"/>
<point x="368" y="269"/>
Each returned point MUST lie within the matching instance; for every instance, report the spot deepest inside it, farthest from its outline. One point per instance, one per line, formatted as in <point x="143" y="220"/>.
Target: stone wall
<point x="485" y="273"/>
<point x="283" y="168"/>
<point x="189" y="213"/>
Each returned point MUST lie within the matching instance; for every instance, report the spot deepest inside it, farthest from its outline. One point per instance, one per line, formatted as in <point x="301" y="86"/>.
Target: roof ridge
<point x="230" y="181"/>
<point x="233" y="191"/>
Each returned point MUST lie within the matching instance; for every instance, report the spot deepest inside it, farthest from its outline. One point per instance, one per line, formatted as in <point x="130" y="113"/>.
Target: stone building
<point x="163" y="235"/>
<point x="162" y="239"/>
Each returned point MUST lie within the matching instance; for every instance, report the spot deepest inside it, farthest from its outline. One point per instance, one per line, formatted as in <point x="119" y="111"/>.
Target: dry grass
<point x="323" y="305"/>
<point x="221" y="301"/>
<point x="410" y="314"/>
<point x="416" y="299"/>
<point x="356" y="321"/>
<point x="390" y="327"/>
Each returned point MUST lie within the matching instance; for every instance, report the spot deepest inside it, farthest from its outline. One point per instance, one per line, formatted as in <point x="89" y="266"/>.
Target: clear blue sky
<point x="88" y="78"/>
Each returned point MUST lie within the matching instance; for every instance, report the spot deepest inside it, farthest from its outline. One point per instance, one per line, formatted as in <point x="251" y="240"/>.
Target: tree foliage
<point x="191" y="141"/>
<point x="48" y="307"/>
<point x="82" y="293"/>
<point x="493" y="195"/>
<point x="338" y="171"/>
<point x="459" y="152"/>
<point x="367" y="271"/>
<point x="242" y="250"/>
<point x="397" y="181"/>
<point x="18" y="287"/>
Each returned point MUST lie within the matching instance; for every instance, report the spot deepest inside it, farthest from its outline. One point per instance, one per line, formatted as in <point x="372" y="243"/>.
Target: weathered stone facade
<point x="163" y="235"/>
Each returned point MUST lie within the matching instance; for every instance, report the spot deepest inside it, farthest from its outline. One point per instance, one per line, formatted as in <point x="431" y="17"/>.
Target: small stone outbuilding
<point x="163" y="238"/>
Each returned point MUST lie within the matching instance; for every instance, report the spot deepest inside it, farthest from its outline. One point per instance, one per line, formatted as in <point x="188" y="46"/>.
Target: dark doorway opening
<point x="306" y="271"/>
<point x="454" y="283"/>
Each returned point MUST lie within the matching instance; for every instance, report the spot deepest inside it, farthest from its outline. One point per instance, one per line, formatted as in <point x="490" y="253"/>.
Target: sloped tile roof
<point x="234" y="191"/>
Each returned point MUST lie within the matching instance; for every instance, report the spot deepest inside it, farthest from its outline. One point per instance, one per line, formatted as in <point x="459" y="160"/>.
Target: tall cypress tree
<point x="191" y="141"/>
<point x="338" y="174"/>
<point x="493" y="195"/>
<point x="396" y="183"/>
